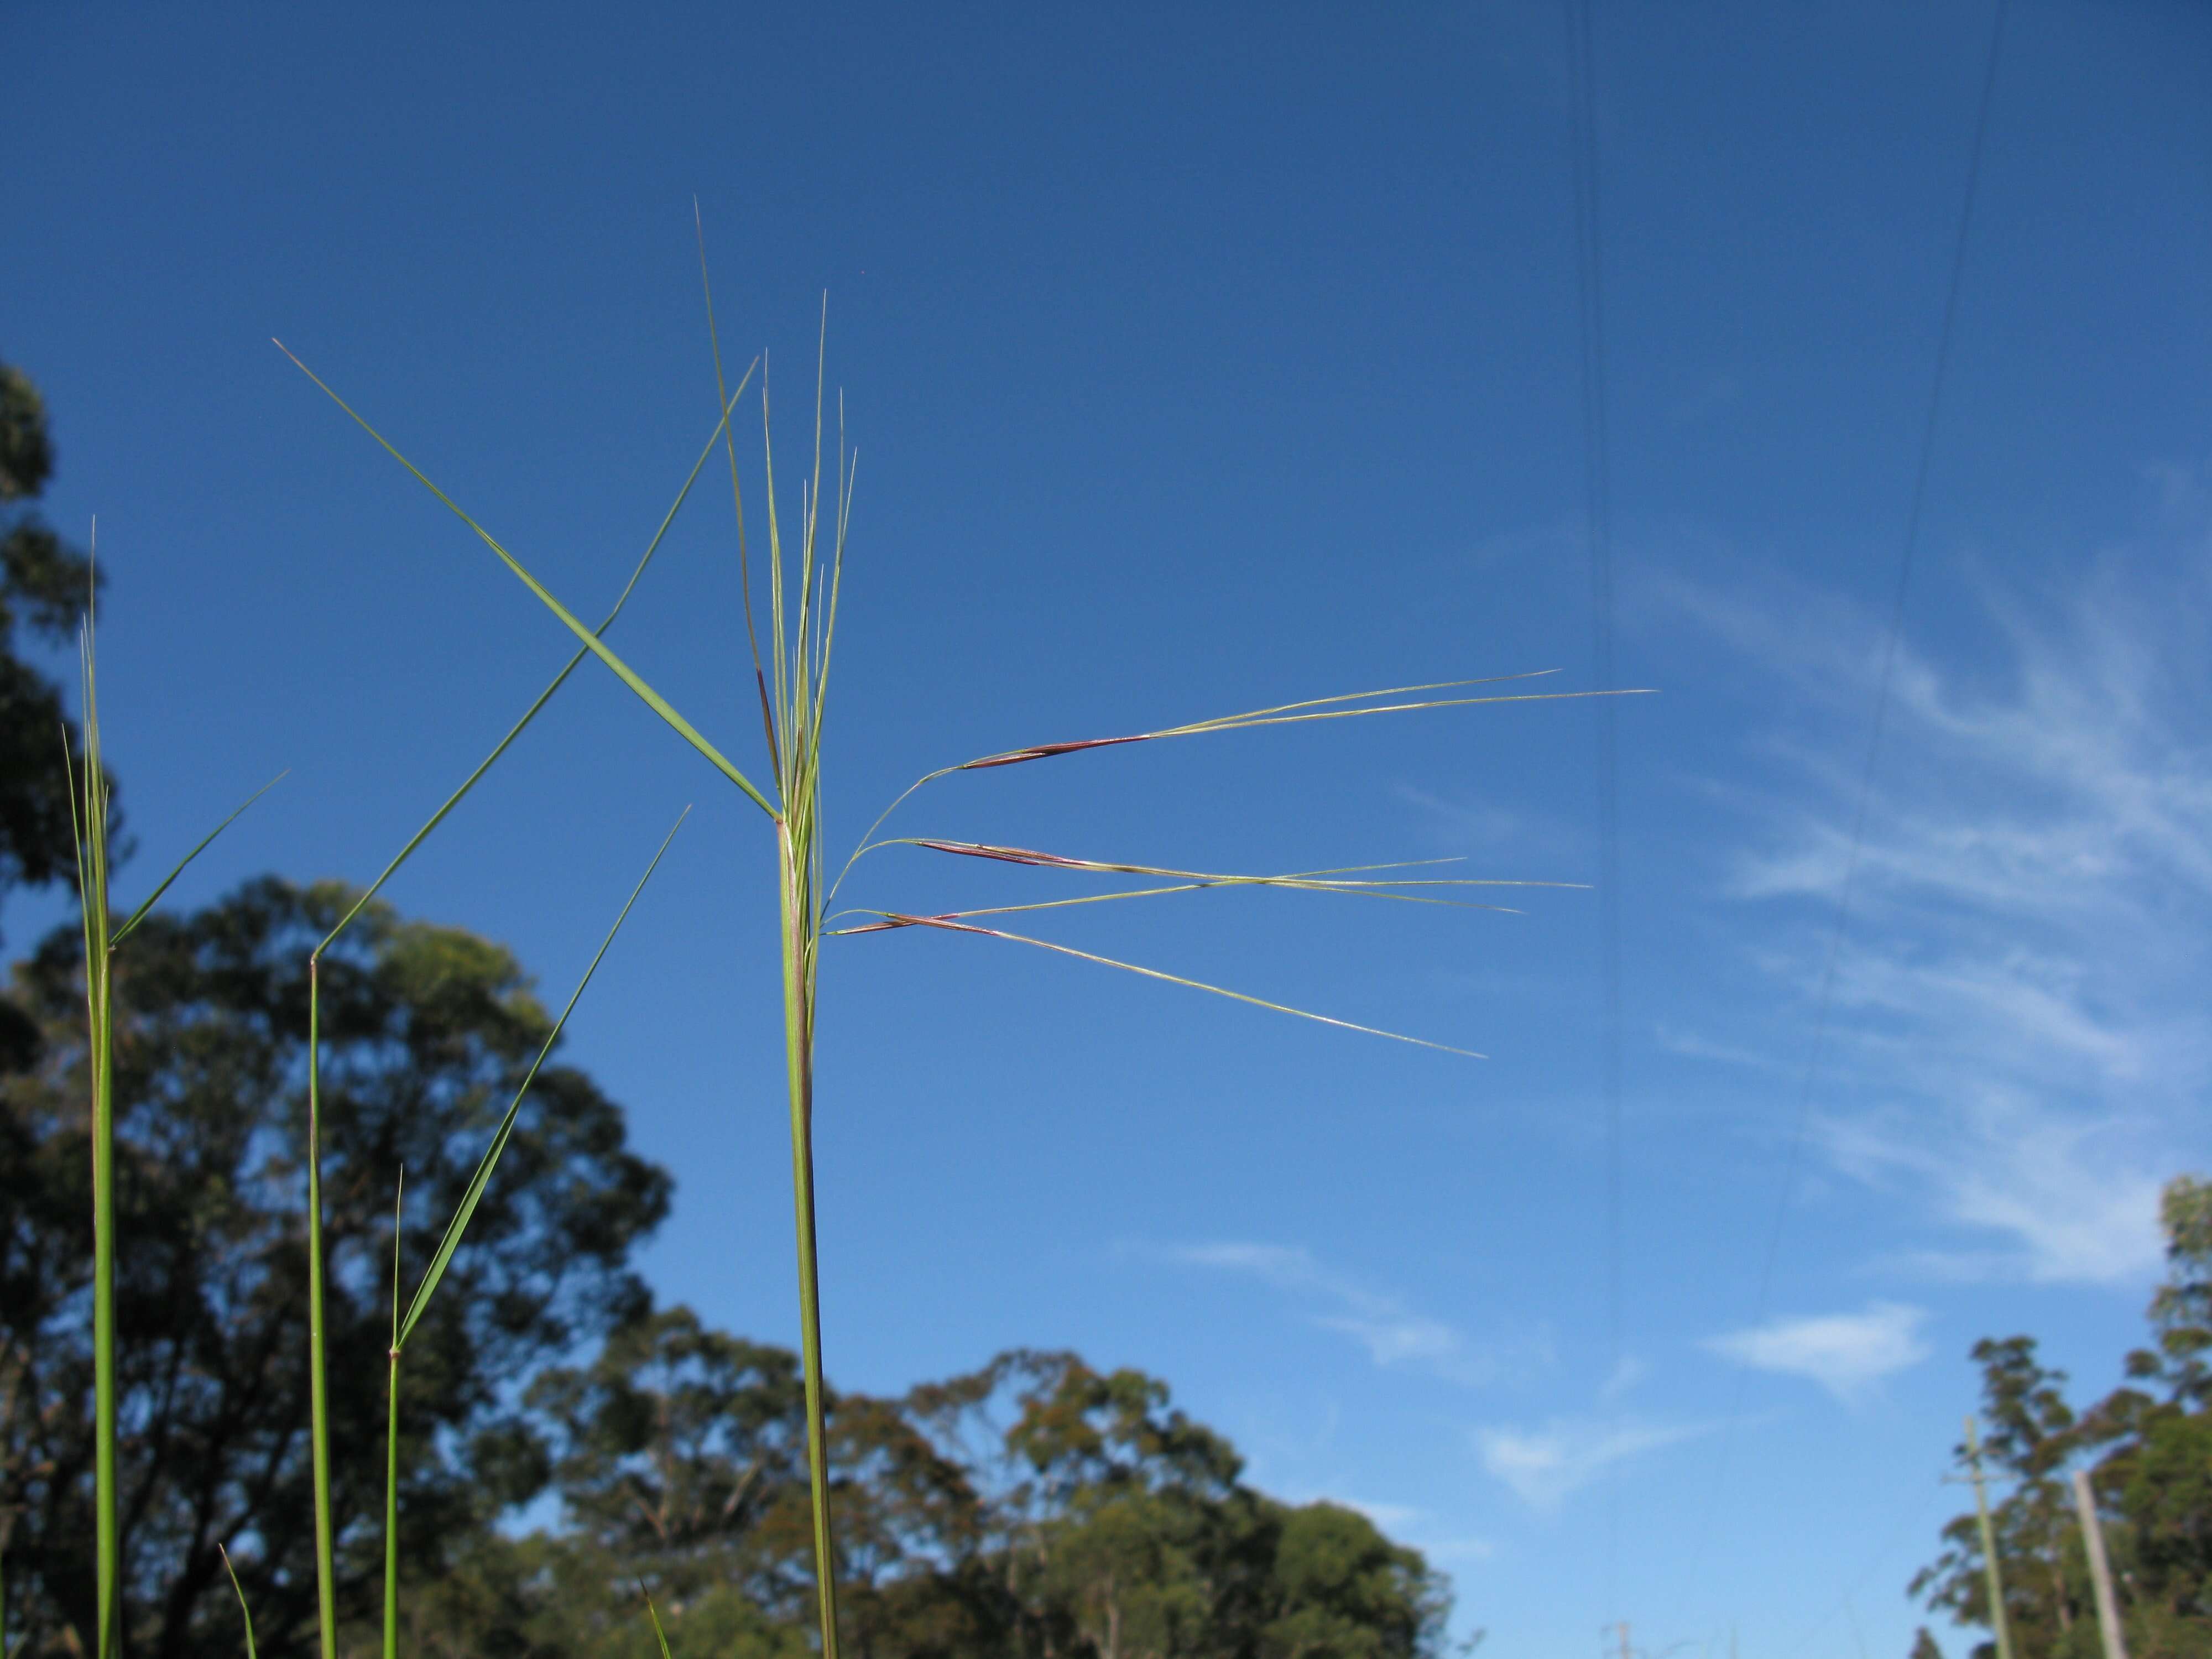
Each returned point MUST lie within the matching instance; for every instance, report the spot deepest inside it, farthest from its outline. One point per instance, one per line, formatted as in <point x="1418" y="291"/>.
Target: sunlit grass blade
<point x="154" y="897"/>
<point x="737" y="494"/>
<point x="1333" y="878"/>
<point x="590" y="640"/>
<point x="245" y="1612"/>
<point x="543" y="697"/>
<point x="1245" y="722"/>
<point x="659" y="1635"/>
<point x="948" y="924"/>
<point x="1345" y="889"/>
<point x="474" y="1194"/>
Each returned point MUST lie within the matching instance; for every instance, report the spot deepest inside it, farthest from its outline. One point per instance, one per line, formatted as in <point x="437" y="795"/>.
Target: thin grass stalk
<point x="245" y="1612"/>
<point x="326" y="1613"/>
<point x="802" y="653"/>
<point x="89" y="805"/>
<point x="99" y="963"/>
<point x="403" y="1327"/>
<point x="798" y="1056"/>
<point x="391" y="1441"/>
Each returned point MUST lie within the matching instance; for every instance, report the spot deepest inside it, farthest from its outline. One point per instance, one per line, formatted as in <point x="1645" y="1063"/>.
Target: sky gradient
<point x="1200" y="359"/>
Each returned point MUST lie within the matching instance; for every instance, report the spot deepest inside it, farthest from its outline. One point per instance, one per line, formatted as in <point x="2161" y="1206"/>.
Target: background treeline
<point x="1034" y="1508"/>
<point x="2148" y="1447"/>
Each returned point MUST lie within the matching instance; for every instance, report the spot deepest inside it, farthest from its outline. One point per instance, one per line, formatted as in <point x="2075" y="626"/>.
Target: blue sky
<point x="1200" y="359"/>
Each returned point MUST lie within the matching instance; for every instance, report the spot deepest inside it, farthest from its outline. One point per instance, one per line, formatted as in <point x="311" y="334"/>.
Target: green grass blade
<point x="898" y="920"/>
<point x="99" y="959"/>
<point x="591" y="641"/>
<point x="736" y="494"/>
<point x="154" y="897"/>
<point x="451" y="1240"/>
<point x="531" y="713"/>
<point x="319" y="1404"/>
<point x="245" y="1612"/>
<point x="391" y="1441"/>
<point x="658" y="1634"/>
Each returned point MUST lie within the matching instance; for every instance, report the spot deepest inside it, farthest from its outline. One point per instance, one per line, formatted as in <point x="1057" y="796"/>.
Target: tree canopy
<point x="1037" y="1509"/>
<point x="427" y="1031"/>
<point x="1034" y="1509"/>
<point x="2149" y="1448"/>
<point x="45" y="583"/>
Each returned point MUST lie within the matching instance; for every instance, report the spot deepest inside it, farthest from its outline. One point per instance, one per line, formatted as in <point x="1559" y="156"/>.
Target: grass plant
<point x="791" y="676"/>
<point x="90" y="809"/>
<point x="804" y="574"/>
<point x="403" y="1326"/>
<point x="319" y="1430"/>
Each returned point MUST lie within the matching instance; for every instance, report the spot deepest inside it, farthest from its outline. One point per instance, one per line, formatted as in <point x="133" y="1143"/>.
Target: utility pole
<point x="2100" y="1571"/>
<point x="1988" y="1543"/>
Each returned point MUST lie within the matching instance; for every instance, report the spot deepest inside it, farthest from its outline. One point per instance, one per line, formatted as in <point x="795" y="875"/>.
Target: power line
<point x="1590" y="267"/>
<point x="1824" y="1000"/>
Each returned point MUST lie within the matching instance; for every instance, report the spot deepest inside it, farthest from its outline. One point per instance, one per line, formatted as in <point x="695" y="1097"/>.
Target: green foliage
<point x="44" y="586"/>
<point x="1034" y="1508"/>
<point x="427" y="1031"/>
<point x="2149" y="1443"/>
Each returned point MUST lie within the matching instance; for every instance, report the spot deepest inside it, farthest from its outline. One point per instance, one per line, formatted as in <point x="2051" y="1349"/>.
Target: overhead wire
<point x="1597" y="513"/>
<point x="1824" y="997"/>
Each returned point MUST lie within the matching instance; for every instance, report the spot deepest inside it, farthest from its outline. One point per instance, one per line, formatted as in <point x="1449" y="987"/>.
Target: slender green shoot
<point x="442" y="1257"/>
<point x="403" y="1327"/>
<point x="89" y="807"/>
<point x="320" y="1428"/>
<point x="245" y="1612"/>
<point x="91" y="826"/>
<point x="892" y="919"/>
<point x="658" y="1634"/>
<point x="590" y="640"/>
<point x="392" y="1436"/>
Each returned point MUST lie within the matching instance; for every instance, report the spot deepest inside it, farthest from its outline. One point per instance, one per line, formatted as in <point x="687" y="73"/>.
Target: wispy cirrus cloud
<point x="1848" y="1354"/>
<point x="1546" y="1466"/>
<point x="1392" y="1332"/>
<point x="2015" y="1029"/>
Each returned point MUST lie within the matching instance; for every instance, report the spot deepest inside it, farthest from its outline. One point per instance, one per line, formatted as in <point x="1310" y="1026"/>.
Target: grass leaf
<point x="451" y="1240"/>
<point x="139" y="915"/>
<point x="591" y="641"/>
<point x="245" y="1612"/>
<point x="658" y="1634"/>
<point x="895" y="919"/>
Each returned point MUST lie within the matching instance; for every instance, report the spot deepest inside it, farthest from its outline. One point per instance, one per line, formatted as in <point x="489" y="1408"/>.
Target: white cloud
<point x="1678" y="1040"/>
<point x="2015" y="1040"/>
<point x="1544" y="1467"/>
<point x="1392" y="1332"/>
<point x="2077" y="1200"/>
<point x="1627" y="1374"/>
<point x="1847" y="1354"/>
